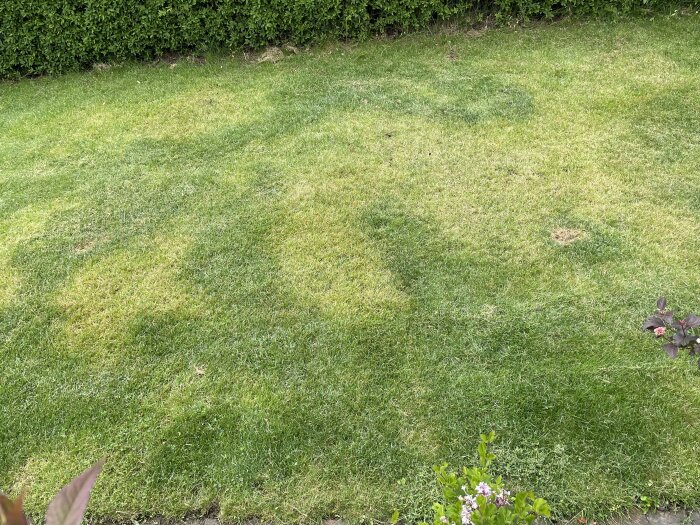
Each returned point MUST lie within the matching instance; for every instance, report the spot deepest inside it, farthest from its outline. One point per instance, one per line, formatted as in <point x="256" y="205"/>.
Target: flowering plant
<point x="476" y="497"/>
<point x="678" y="333"/>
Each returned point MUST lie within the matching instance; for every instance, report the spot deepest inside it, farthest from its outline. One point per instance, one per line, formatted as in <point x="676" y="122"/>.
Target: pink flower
<point x="659" y="331"/>
<point x="483" y="489"/>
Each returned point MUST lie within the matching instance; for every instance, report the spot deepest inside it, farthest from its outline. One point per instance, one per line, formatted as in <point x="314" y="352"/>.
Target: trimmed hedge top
<point x="53" y="36"/>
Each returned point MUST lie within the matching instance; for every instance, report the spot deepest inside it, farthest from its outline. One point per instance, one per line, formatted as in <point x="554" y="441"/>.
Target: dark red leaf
<point x="68" y="507"/>
<point x="684" y="339"/>
<point x="679" y="339"/>
<point x="666" y="316"/>
<point x="652" y="322"/>
<point x="671" y="350"/>
<point x="661" y="303"/>
<point x="692" y="321"/>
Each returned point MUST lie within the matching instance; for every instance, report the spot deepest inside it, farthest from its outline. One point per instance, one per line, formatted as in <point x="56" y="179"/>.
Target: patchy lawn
<point x="287" y="289"/>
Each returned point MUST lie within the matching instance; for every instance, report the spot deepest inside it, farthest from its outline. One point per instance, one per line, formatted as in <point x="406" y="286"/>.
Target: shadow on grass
<point x="289" y="394"/>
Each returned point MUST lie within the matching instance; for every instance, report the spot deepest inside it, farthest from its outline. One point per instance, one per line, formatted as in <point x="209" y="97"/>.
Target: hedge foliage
<point x="51" y="36"/>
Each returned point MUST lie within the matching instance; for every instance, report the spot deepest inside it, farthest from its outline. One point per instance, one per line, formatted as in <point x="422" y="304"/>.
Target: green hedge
<point x="51" y="36"/>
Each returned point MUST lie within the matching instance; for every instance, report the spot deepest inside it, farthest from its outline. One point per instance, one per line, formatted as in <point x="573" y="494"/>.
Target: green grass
<point x="354" y="245"/>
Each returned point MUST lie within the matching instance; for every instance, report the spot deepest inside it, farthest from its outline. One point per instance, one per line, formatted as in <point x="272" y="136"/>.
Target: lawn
<point x="287" y="289"/>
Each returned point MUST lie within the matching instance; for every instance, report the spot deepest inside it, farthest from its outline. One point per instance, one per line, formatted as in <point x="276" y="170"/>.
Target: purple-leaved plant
<point x="676" y="333"/>
<point x="67" y="508"/>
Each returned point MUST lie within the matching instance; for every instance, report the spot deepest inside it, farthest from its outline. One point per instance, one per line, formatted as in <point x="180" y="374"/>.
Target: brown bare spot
<point x="566" y="236"/>
<point x="84" y="247"/>
<point x="272" y="54"/>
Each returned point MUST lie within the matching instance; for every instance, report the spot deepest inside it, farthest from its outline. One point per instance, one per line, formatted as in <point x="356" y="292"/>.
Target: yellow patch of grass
<point x="102" y="299"/>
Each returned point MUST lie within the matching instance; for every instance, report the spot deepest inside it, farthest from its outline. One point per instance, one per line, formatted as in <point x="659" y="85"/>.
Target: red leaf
<point x="666" y="316"/>
<point x="661" y="303"/>
<point x="692" y="321"/>
<point x="671" y="350"/>
<point x="68" y="507"/>
<point x="12" y="512"/>
<point x="652" y="322"/>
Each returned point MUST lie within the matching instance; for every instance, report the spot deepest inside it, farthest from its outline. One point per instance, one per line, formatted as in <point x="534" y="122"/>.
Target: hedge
<point x="53" y="36"/>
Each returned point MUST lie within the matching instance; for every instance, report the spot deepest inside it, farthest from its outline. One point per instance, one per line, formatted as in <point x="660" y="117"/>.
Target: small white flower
<point x="470" y="501"/>
<point x="698" y="340"/>
<point x="444" y="519"/>
<point x="466" y="515"/>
